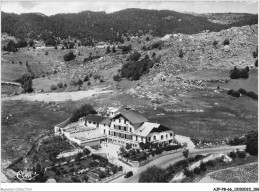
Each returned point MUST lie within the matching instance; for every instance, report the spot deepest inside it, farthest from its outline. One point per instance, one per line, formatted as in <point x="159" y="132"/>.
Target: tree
<point x="31" y="43"/>
<point x="134" y="56"/>
<point x="128" y="146"/>
<point x="108" y="50"/>
<point x="60" y="85"/>
<point x="215" y="43"/>
<point x="86" y="151"/>
<point x="22" y="43"/>
<point x="252" y="143"/>
<point x="86" y="78"/>
<point x="53" y="87"/>
<point x="256" y="63"/>
<point x="255" y="53"/>
<point x="185" y="152"/>
<point x="113" y="49"/>
<point x="78" y="156"/>
<point x="82" y="111"/>
<point x="116" y="78"/>
<point x="10" y="47"/>
<point x="153" y="175"/>
<point x="226" y="42"/>
<point x="26" y="82"/>
<point x="122" y="150"/>
<point x="181" y="53"/>
<point x="69" y="56"/>
<point x="203" y="167"/>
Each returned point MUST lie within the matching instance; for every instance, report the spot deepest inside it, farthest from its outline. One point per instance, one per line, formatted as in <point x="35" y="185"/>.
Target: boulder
<point x="226" y="48"/>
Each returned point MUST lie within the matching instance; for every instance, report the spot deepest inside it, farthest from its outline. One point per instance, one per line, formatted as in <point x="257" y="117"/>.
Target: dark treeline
<point x="95" y="26"/>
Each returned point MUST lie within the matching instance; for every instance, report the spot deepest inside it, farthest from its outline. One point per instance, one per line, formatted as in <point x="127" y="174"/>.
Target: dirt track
<point x="62" y="96"/>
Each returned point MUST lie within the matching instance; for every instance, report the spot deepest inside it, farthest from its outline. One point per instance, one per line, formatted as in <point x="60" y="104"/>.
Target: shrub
<point x="181" y="53"/>
<point x="242" y="91"/>
<point x="188" y="173"/>
<point x="135" y="56"/>
<point x="153" y="55"/>
<point x="215" y="43"/>
<point x="191" y="159"/>
<point x="233" y="93"/>
<point x="241" y="154"/>
<point x="256" y="63"/>
<point x="53" y="87"/>
<point x="147" y="39"/>
<point x="153" y="175"/>
<point x="210" y="163"/>
<point x="125" y="48"/>
<point x="226" y="42"/>
<point x="198" y="157"/>
<point x="46" y="53"/>
<point x="86" y="78"/>
<point x="182" y="163"/>
<point x="185" y="152"/>
<point x="239" y="73"/>
<point x="82" y="111"/>
<point x="116" y="78"/>
<point x="88" y="83"/>
<point x="203" y="167"/>
<point x="10" y="47"/>
<point x="60" y="85"/>
<point x="232" y="154"/>
<point x="69" y="56"/>
<point x="197" y="170"/>
<point x="108" y="50"/>
<point x="113" y="49"/>
<point x="252" y="95"/>
<point x="26" y="82"/>
<point x="255" y="53"/>
<point x="31" y="43"/>
<point x="156" y="44"/>
<point x="252" y="143"/>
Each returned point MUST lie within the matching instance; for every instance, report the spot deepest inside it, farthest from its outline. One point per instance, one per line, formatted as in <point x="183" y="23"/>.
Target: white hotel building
<point x="121" y="127"/>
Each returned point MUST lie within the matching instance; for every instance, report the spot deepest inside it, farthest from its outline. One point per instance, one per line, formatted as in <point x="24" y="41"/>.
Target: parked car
<point x="129" y="174"/>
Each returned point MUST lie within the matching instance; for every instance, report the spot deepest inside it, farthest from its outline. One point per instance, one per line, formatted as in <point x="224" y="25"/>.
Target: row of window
<point x="123" y="128"/>
<point x="162" y="137"/>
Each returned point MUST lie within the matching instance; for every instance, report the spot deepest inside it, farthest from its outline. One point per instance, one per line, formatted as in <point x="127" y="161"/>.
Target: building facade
<point x="124" y="127"/>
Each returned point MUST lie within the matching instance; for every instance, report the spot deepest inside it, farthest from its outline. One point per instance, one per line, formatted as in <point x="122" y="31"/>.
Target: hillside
<point x="110" y="27"/>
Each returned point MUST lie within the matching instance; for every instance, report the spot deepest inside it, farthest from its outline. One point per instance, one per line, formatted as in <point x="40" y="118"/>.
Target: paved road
<point x="165" y="161"/>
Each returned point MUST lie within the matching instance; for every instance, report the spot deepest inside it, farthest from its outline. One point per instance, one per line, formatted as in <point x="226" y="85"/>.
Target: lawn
<point x="44" y="83"/>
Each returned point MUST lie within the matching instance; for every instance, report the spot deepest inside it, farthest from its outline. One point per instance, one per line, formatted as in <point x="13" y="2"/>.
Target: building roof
<point x="94" y="118"/>
<point x="149" y="127"/>
<point x="106" y="121"/>
<point x="133" y="116"/>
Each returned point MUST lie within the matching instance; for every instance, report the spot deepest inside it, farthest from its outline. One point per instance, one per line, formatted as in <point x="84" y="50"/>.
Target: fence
<point x="142" y="163"/>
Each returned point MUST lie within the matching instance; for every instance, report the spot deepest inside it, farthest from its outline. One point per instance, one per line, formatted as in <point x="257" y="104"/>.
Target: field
<point x="242" y="174"/>
<point x="23" y="122"/>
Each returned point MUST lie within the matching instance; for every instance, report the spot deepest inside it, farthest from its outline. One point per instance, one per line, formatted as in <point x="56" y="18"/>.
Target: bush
<point x="198" y="157"/>
<point x="233" y="93"/>
<point x="239" y="73"/>
<point x="22" y="43"/>
<point x="252" y="143"/>
<point x="256" y="63"/>
<point x="191" y="159"/>
<point x="188" y="173"/>
<point x="10" y="47"/>
<point x="156" y="44"/>
<point x="53" y="87"/>
<point x="242" y="91"/>
<point x="26" y="82"/>
<point x="241" y="154"/>
<point x="82" y="111"/>
<point x="226" y="42"/>
<point x="210" y="163"/>
<point x="185" y="153"/>
<point x="60" y="85"/>
<point x="147" y="39"/>
<point x="135" y="56"/>
<point x="153" y="175"/>
<point x="215" y="43"/>
<point x="86" y="78"/>
<point x="252" y="95"/>
<point x="203" y="167"/>
<point x="31" y="43"/>
<point x="46" y="53"/>
<point x="125" y="48"/>
<point x="197" y="170"/>
<point x="182" y="163"/>
<point x="88" y="83"/>
<point x="116" y="78"/>
<point x="108" y="50"/>
<point x="181" y="53"/>
<point x="69" y="56"/>
<point x="113" y="49"/>
<point x="255" y="53"/>
<point x="232" y="154"/>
